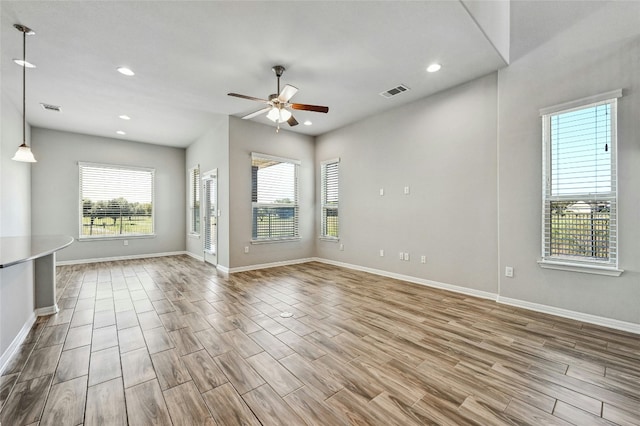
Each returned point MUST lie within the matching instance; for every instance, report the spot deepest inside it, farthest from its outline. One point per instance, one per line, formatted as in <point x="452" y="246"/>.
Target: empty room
<point x="320" y="212"/>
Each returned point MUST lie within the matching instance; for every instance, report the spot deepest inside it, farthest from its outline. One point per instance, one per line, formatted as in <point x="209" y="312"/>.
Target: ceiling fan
<point x="277" y="104"/>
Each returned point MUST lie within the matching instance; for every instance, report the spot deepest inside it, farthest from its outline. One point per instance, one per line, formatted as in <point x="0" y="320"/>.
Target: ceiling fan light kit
<point x="277" y="105"/>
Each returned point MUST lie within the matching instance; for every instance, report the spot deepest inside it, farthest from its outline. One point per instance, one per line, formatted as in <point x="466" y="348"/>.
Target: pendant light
<point x="24" y="153"/>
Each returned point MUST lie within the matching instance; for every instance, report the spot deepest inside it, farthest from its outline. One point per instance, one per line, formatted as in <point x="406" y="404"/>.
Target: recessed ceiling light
<point x="24" y="63"/>
<point x="126" y="71"/>
<point x="125" y="117"/>
<point x="434" y="67"/>
<point x="120" y="132"/>
<point x="308" y="123"/>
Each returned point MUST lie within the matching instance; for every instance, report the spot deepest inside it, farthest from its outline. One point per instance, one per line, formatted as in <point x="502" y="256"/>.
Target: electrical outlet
<point x="406" y="190"/>
<point x="508" y="271"/>
<point x="406" y="257"/>
<point x="126" y="242"/>
<point x="381" y="253"/>
<point x="423" y="259"/>
<point x="401" y="256"/>
<point x="246" y="249"/>
<point x="381" y="191"/>
<point x="341" y="247"/>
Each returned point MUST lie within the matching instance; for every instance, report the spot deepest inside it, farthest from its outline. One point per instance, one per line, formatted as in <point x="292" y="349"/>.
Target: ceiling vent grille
<point x="50" y="107"/>
<point x="395" y="91"/>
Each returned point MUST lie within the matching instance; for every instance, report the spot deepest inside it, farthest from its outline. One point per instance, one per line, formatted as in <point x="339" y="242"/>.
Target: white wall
<point x="55" y="191"/>
<point x="493" y="18"/>
<point x="444" y="149"/>
<point x="211" y="151"/>
<point x="16" y="282"/>
<point x="246" y="137"/>
<point x="584" y="60"/>
<point x="15" y="183"/>
<point x="472" y="159"/>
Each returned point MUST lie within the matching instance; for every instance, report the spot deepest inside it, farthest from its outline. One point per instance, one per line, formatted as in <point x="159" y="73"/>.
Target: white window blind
<point x="274" y="196"/>
<point x="115" y="201"/>
<point x="194" y="200"/>
<point x="211" y="215"/>
<point x="580" y="188"/>
<point x="329" y="188"/>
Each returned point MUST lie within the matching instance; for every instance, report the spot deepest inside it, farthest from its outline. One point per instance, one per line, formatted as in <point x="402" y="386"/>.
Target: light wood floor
<point x="167" y="341"/>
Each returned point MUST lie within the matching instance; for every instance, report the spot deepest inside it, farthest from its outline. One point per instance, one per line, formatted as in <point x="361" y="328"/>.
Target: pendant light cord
<point x="24" y="86"/>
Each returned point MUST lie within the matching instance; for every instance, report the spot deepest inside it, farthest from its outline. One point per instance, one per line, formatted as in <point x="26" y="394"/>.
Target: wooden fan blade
<point x="256" y="113"/>
<point x="292" y="121"/>
<point x="287" y="93"/>
<point x="315" y="108"/>
<point x="251" y="98"/>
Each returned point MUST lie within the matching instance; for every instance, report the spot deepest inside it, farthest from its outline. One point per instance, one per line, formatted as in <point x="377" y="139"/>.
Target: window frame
<point x="576" y="263"/>
<point x="129" y="236"/>
<point x="296" y="204"/>
<point x="323" y="200"/>
<point x="195" y="190"/>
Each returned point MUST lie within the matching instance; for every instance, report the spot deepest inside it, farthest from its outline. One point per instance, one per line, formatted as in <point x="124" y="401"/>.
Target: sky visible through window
<point x="581" y="151"/>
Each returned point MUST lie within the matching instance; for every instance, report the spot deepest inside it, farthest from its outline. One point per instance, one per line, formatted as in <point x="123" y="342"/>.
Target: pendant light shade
<point x="24" y="153"/>
<point x="274" y="114"/>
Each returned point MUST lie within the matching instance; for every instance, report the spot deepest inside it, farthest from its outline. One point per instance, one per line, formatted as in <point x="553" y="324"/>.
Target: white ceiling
<point x="188" y="55"/>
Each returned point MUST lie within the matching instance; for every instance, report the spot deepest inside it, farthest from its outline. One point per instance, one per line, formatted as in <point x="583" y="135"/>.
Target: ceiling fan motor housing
<point x="279" y="70"/>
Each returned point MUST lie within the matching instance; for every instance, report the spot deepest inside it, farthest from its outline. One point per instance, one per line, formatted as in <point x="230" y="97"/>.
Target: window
<point x="115" y="201"/>
<point x="329" y="188"/>
<point x="274" y="196"/>
<point x="194" y="200"/>
<point x="580" y="189"/>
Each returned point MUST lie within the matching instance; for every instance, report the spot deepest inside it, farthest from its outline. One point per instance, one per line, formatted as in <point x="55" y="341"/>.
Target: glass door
<point x="210" y="186"/>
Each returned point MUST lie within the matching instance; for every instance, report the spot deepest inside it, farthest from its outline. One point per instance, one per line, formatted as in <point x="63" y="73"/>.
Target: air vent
<point x="395" y="91"/>
<point x="50" y="107"/>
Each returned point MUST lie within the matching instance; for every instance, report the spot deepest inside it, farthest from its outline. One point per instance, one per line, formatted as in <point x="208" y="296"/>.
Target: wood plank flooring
<point x="168" y="341"/>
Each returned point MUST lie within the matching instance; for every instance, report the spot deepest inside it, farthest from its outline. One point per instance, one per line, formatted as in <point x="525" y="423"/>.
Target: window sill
<point x="191" y="235"/>
<point x="330" y="239"/>
<point x="583" y="268"/>
<point x="120" y="237"/>
<point x="276" y="240"/>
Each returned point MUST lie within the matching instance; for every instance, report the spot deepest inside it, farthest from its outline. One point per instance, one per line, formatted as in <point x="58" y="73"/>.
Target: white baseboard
<point x="222" y="269"/>
<point x="578" y="316"/>
<point x="110" y="259"/>
<point x="49" y="310"/>
<point x="429" y="283"/>
<point x="17" y="341"/>
<point x="195" y="256"/>
<point x="268" y="265"/>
